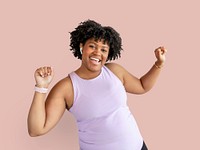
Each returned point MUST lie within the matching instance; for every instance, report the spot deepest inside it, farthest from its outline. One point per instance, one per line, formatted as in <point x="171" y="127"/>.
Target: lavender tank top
<point x="103" y="118"/>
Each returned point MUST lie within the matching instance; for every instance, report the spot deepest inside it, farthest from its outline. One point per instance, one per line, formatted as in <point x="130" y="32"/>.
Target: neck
<point x="87" y="74"/>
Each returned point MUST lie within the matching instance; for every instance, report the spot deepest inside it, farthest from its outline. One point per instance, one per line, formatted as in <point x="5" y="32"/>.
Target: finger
<point x="45" y="71"/>
<point x="49" y="71"/>
<point x="161" y="50"/>
<point x="164" y="51"/>
<point x="37" y="72"/>
<point x="158" y="51"/>
<point x="41" y="72"/>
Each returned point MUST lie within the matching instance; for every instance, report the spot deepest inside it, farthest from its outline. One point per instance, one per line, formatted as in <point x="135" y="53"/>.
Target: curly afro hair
<point x="91" y="29"/>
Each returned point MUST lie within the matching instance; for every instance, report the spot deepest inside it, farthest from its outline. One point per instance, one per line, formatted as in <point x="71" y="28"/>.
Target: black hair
<point x="90" y="29"/>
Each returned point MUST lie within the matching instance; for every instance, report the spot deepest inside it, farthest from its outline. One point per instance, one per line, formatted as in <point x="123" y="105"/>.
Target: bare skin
<point x="46" y="111"/>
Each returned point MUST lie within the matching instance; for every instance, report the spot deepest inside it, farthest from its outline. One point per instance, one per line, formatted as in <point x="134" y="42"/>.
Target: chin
<point x="95" y="68"/>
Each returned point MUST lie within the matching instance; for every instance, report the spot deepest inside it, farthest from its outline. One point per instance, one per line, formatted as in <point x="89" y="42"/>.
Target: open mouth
<point x="96" y="60"/>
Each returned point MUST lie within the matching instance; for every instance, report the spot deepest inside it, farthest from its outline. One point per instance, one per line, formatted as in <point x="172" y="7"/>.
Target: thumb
<point x="158" y="52"/>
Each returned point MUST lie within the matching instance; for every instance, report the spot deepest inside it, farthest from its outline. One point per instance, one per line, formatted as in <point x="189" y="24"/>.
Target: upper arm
<point x="55" y="104"/>
<point x="131" y="83"/>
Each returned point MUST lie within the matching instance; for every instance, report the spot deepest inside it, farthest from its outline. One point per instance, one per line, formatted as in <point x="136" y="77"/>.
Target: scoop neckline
<point x="92" y="79"/>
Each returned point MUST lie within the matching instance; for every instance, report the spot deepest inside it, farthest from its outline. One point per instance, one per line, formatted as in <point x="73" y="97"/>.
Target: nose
<point x="97" y="51"/>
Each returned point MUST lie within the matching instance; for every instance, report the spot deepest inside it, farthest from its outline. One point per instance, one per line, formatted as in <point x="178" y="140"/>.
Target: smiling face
<point x="94" y="55"/>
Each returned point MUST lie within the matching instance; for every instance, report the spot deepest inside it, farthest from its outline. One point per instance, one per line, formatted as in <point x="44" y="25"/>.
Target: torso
<point x="69" y="95"/>
<point x="99" y="105"/>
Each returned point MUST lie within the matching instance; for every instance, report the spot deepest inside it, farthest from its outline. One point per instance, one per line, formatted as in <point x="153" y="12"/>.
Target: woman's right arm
<point x="45" y="112"/>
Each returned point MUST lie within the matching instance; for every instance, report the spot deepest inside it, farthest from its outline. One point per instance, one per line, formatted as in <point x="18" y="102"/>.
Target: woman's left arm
<point x="149" y="79"/>
<point x="141" y="85"/>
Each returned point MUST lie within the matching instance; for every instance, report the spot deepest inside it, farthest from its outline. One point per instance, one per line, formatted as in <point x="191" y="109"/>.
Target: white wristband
<point x="41" y="90"/>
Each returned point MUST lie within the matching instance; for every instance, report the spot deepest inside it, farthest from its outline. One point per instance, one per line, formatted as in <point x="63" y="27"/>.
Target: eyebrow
<point x="104" y="46"/>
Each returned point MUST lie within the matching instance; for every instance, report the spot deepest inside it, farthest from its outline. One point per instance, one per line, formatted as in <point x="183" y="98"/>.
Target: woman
<point x="95" y="93"/>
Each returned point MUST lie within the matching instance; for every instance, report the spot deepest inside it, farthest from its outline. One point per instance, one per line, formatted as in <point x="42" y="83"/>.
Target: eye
<point x="92" y="46"/>
<point x="104" y="50"/>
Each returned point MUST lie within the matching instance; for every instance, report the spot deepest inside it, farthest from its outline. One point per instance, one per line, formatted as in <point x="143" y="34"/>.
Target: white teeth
<point x="95" y="59"/>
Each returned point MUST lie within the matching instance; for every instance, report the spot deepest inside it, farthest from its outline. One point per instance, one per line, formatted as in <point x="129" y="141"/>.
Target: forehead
<point x="100" y="42"/>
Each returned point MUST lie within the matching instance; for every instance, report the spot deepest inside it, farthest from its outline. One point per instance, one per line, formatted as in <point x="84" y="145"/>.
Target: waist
<point x="119" y="124"/>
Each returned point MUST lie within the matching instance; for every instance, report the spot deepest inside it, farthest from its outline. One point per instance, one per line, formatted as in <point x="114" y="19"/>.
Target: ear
<point x="81" y="45"/>
<point x="81" y="48"/>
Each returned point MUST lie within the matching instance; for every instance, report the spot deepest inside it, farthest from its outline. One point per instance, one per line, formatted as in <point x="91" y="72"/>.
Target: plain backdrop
<point x="36" y="33"/>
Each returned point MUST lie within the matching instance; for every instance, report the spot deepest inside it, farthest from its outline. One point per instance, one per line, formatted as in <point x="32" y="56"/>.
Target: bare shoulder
<point x="113" y="66"/>
<point x="63" y="84"/>
<point x="117" y="69"/>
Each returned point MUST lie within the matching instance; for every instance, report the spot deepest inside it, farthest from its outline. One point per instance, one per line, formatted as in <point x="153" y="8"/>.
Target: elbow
<point x="145" y="88"/>
<point x="143" y="91"/>
<point x="140" y="92"/>
<point x="33" y="133"/>
<point x="34" y="130"/>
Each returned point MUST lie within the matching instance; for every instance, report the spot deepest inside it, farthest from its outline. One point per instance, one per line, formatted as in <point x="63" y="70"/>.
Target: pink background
<point x="35" y="33"/>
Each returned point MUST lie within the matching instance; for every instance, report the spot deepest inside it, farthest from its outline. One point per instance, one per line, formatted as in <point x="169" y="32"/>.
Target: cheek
<point x="86" y="52"/>
<point x="105" y="57"/>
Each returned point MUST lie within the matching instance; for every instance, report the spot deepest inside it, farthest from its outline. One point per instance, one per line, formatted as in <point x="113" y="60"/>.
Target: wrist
<point x="41" y="86"/>
<point x="159" y="64"/>
<point x="41" y="89"/>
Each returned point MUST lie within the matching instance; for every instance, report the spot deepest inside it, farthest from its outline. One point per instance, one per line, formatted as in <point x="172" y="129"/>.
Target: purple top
<point x="103" y="117"/>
